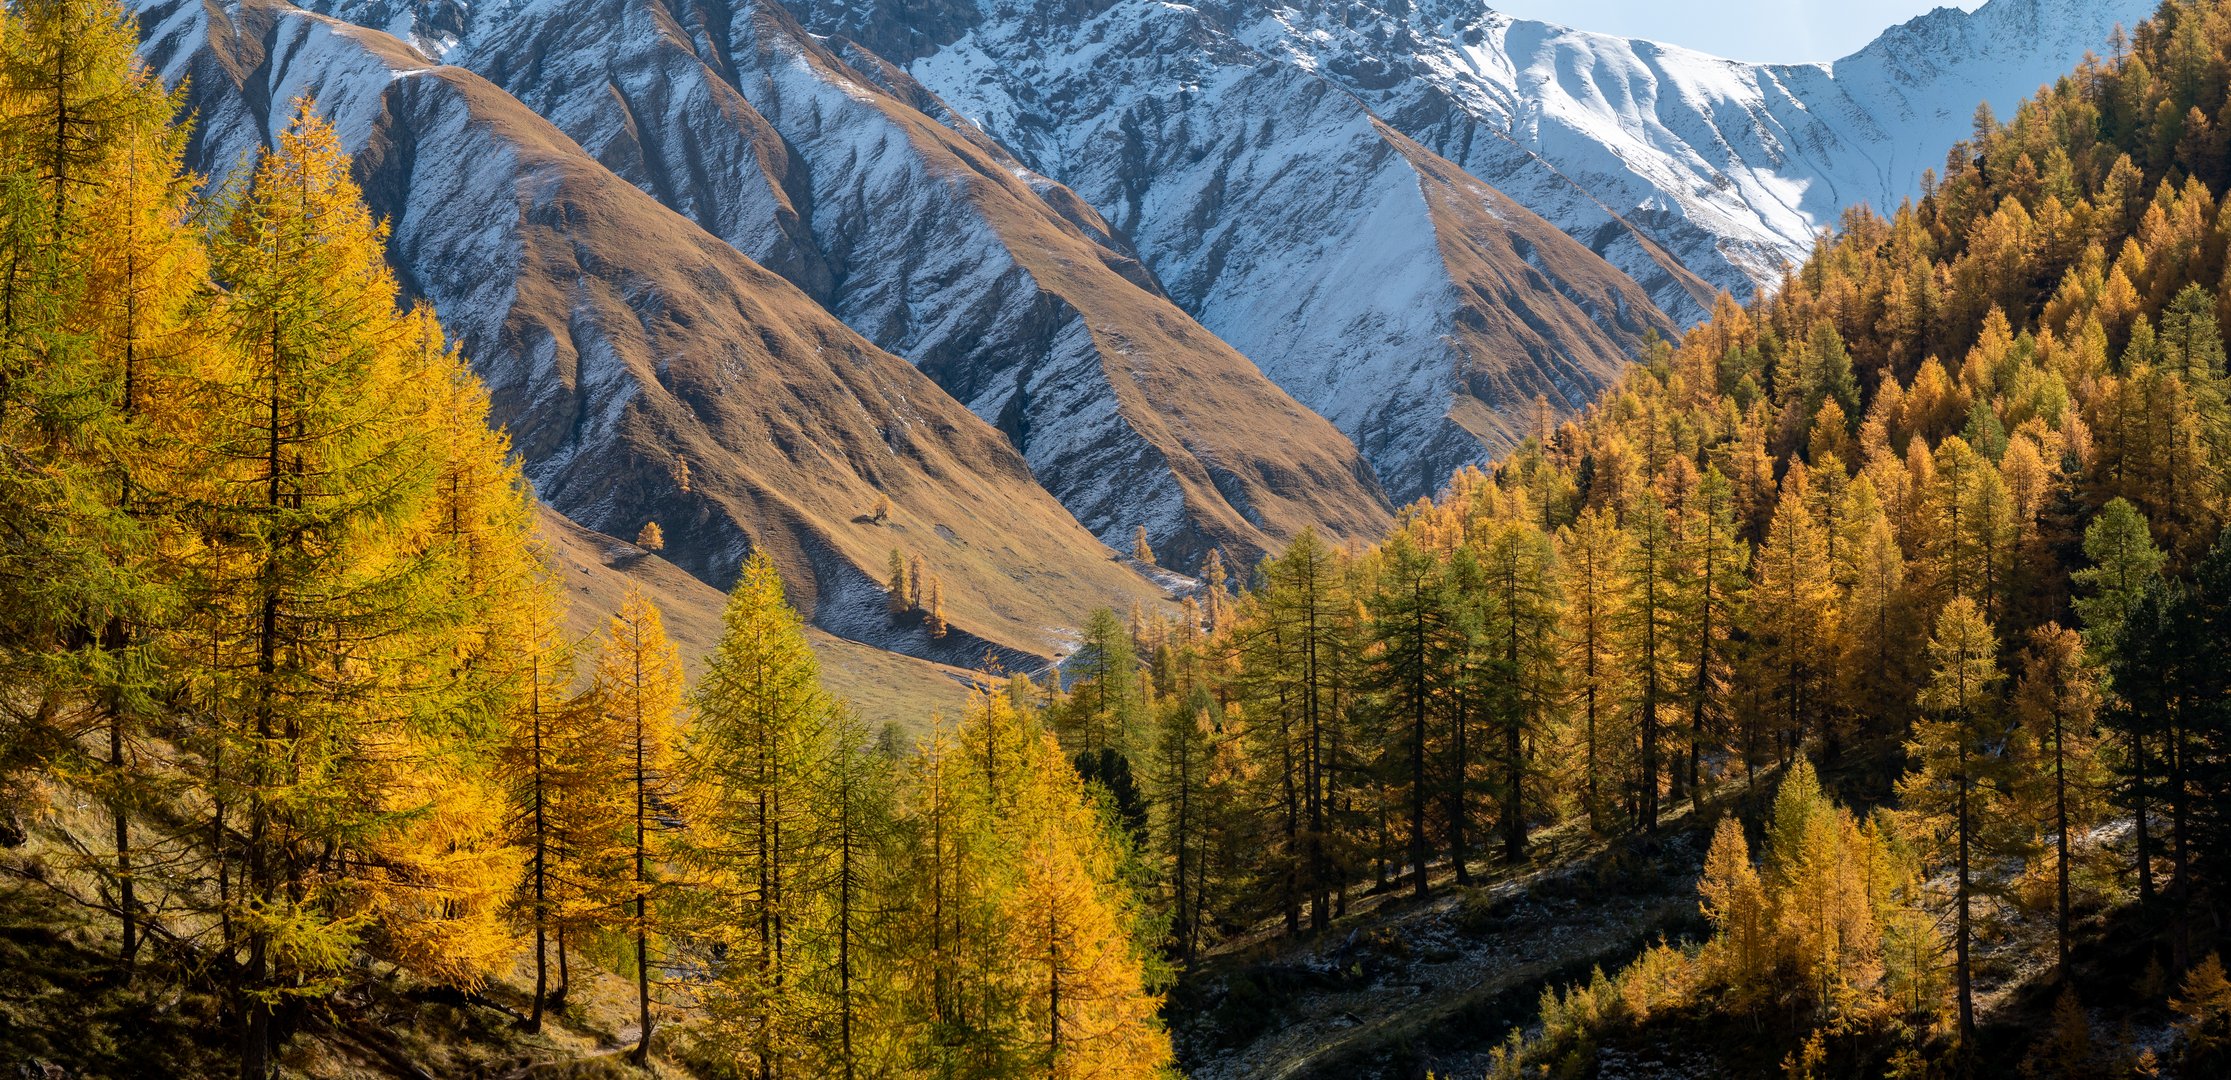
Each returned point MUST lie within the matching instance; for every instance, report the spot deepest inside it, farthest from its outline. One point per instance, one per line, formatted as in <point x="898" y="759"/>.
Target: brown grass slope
<point x="1042" y="327"/>
<point x="645" y="369"/>
<point x="598" y="570"/>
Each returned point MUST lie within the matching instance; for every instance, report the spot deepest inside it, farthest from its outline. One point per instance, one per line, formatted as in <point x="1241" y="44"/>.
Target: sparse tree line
<point x="272" y="606"/>
<point x="914" y="592"/>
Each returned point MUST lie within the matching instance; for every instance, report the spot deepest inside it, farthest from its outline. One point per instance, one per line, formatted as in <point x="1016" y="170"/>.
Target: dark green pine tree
<point x="1419" y="639"/>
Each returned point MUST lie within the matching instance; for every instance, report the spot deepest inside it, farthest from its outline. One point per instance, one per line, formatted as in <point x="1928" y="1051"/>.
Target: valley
<point x="1008" y="539"/>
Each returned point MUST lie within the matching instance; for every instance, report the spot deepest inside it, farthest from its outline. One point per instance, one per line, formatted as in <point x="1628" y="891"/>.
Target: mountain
<point x="1733" y="167"/>
<point x="1118" y="380"/>
<point x="1419" y="309"/>
<point x="1730" y="167"/>
<point x="934" y="243"/>
<point x="1155" y="247"/>
<point x="646" y="370"/>
<point x="1241" y="146"/>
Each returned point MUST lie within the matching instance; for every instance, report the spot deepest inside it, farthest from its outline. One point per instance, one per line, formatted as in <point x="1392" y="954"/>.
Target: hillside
<point x="1002" y="286"/>
<point x="883" y="687"/>
<point x="1906" y="583"/>
<point x="646" y="371"/>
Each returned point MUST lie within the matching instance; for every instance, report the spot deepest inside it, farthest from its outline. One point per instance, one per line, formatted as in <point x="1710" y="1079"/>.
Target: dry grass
<point x="884" y="687"/>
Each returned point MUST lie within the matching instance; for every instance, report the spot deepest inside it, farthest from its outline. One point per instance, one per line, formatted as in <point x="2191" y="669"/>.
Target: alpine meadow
<point x="1318" y="540"/>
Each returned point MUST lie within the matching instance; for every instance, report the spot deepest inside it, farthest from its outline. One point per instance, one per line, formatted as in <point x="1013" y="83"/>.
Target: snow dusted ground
<point x="1733" y="167"/>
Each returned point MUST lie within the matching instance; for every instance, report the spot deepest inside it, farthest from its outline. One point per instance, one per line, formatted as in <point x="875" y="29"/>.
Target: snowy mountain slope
<point x="937" y="245"/>
<point x="644" y="368"/>
<point x="1275" y="208"/>
<point x="1734" y="167"/>
<point x="1236" y="142"/>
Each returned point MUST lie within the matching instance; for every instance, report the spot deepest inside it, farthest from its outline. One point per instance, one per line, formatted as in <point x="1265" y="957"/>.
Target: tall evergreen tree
<point x="1647" y="627"/>
<point x="2124" y="563"/>
<point x="1294" y="651"/>
<point x="1793" y="618"/>
<point x="1709" y="604"/>
<point x="1517" y="621"/>
<point x="100" y="325"/>
<point x="1592" y="558"/>
<point x="330" y="633"/>
<point x="1417" y="640"/>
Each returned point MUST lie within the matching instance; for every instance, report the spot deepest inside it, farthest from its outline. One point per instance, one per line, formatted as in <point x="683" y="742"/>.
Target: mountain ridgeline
<point x="1108" y="303"/>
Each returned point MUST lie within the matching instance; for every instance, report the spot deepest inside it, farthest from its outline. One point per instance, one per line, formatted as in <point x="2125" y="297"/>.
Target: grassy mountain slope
<point x="647" y="371"/>
<point x="885" y="687"/>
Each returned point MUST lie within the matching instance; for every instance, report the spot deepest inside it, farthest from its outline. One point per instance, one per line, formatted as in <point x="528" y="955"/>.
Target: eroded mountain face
<point x="1238" y="143"/>
<point x="647" y="371"/>
<point x="1268" y="267"/>
<point x="1733" y="167"/>
<point x="1728" y="167"/>
<point x="1157" y="247"/>
<point x="939" y="246"/>
<point x="1422" y="315"/>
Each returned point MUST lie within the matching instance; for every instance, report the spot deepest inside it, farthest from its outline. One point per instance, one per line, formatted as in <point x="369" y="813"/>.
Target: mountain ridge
<point x="645" y="370"/>
<point x="1012" y="294"/>
<point x="1195" y="130"/>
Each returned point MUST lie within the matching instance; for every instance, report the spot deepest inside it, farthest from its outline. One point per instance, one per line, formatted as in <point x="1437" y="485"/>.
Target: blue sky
<point x="1783" y="31"/>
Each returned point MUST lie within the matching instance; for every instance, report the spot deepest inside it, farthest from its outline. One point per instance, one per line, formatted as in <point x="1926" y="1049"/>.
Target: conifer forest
<point x="1860" y="654"/>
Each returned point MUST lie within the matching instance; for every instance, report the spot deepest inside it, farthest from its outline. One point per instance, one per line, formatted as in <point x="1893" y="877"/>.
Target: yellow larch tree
<point x="449" y="867"/>
<point x="1948" y="791"/>
<point x="1069" y="922"/>
<point x="327" y="632"/>
<point x="542" y="722"/>
<point x="105" y="288"/>
<point x="1591" y="560"/>
<point x="758" y="744"/>
<point x="1734" y="900"/>
<point x="1821" y="896"/>
<point x="1793" y="617"/>
<point x="639" y="695"/>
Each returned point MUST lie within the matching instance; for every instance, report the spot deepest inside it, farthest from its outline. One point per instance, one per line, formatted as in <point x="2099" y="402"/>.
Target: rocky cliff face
<point x="1733" y="167"/>
<point x="645" y="369"/>
<point x="937" y="245"/>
